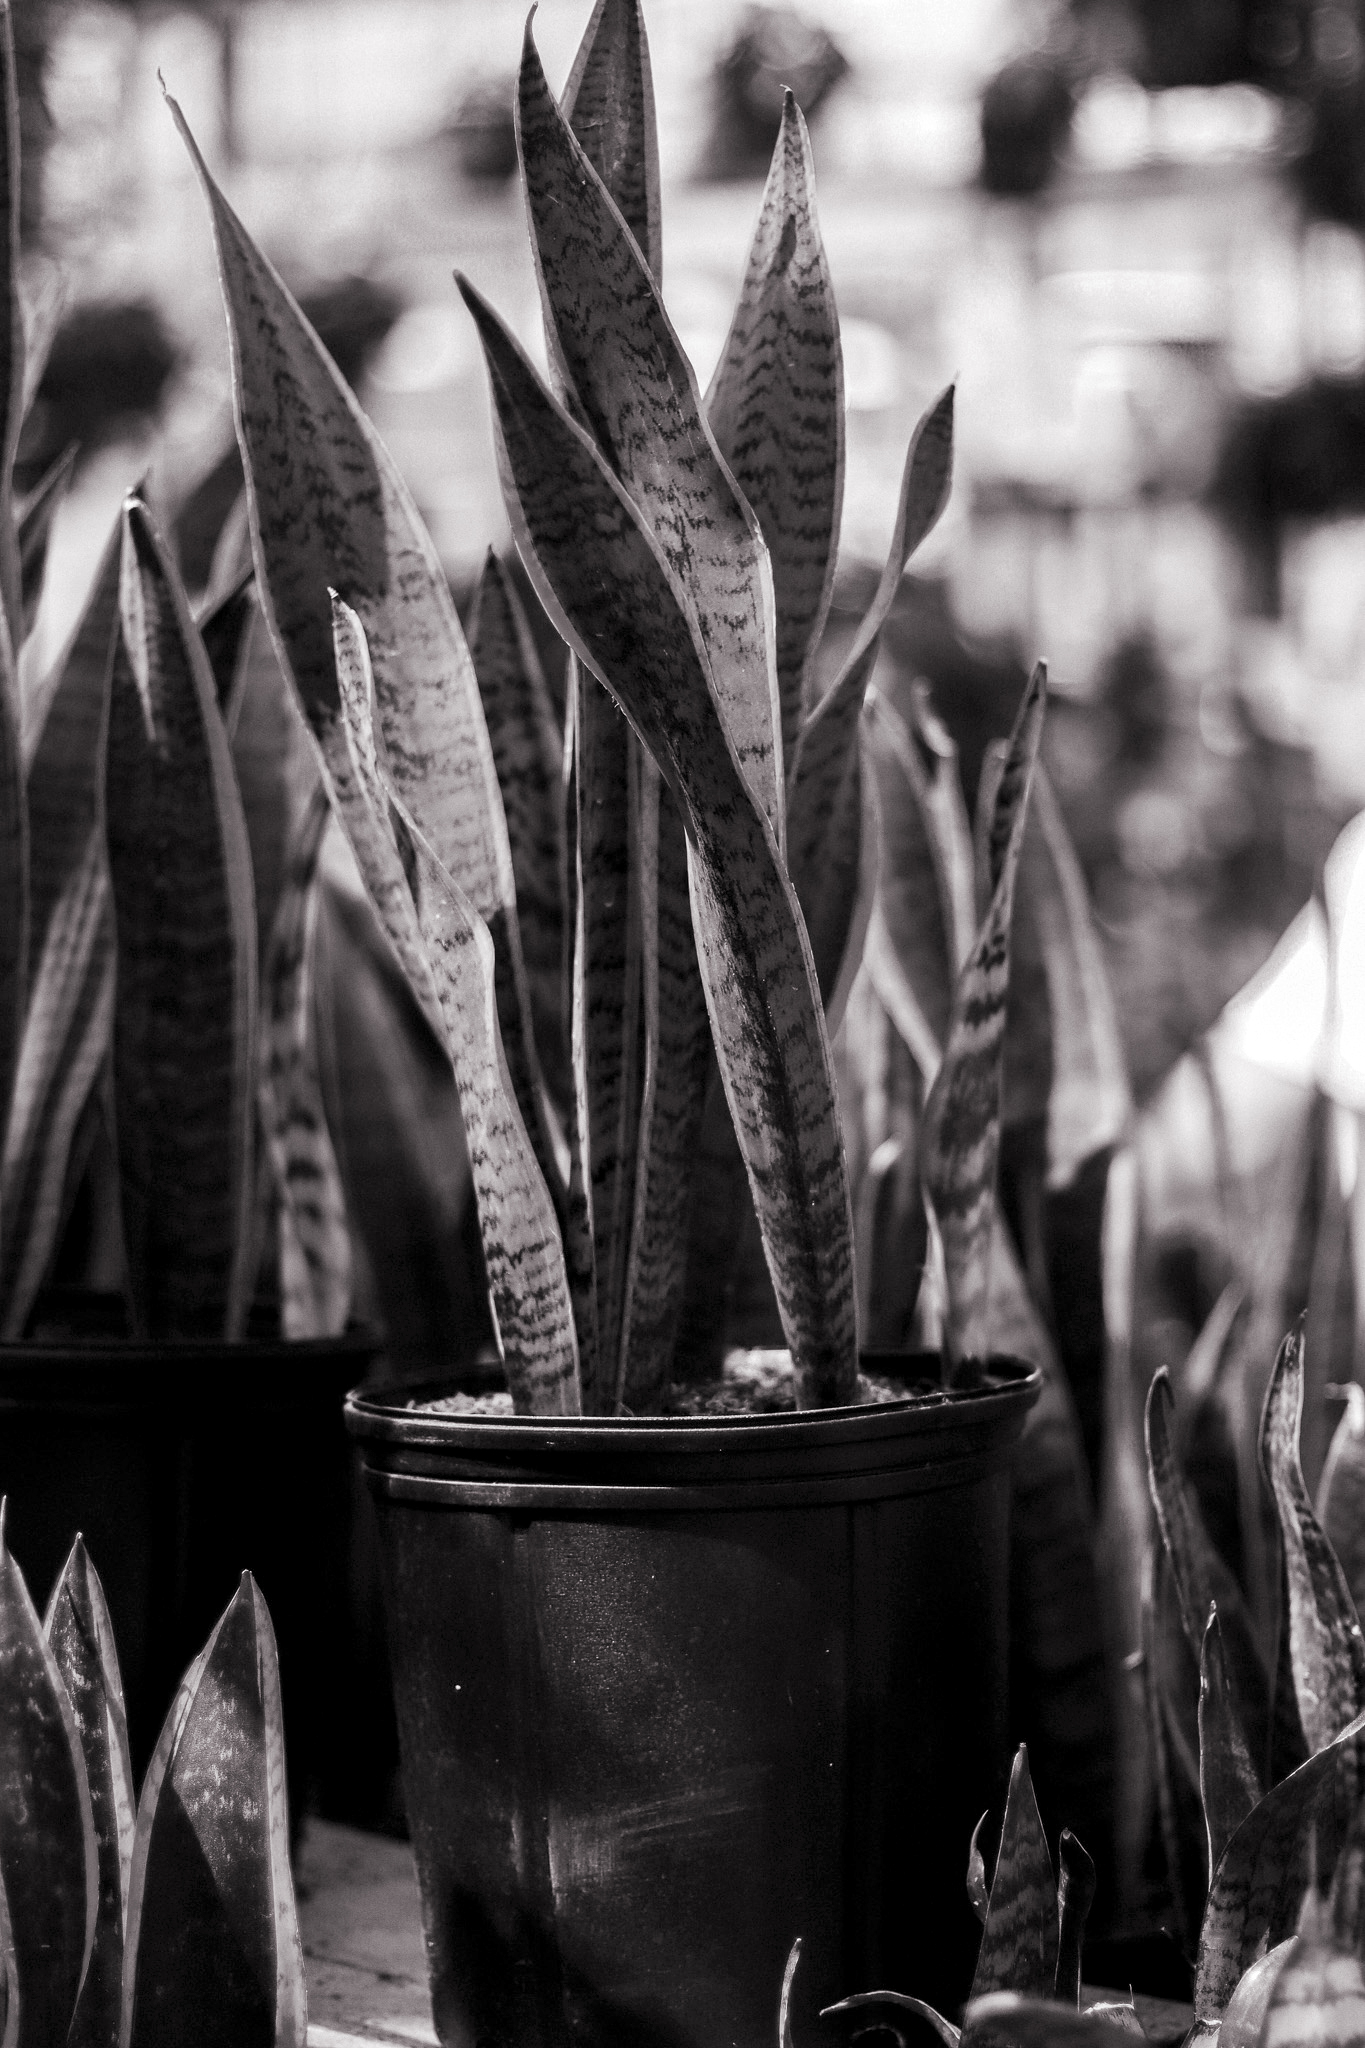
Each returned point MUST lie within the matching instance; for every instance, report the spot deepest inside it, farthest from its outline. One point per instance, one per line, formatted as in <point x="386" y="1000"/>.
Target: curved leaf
<point x="48" y="1850"/>
<point x="978" y="1891"/>
<point x="1019" y="1939"/>
<point x="81" y="1635"/>
<point x="896" y="2001"/>
<point x="185" y="1006"/>
<point x="1075" y="1897"/>
<point x="1326" y="1648"/>
<point x="213" y="1943"/>
<point x="522" y="1249"/>
<point x="962" y="1114"/>
<point x="1038" y="2023"/>
<point x="609" y="103"/>
<point x="626" y="370"/>
<point x="1229" y="1780"/>
<point x="784" y="2009"/>
<point x="776" y="408"/>
<point x="1340" y="1503"/>
<point x="612" y="597"/>
<point x="34" y="530"/>
<point x="1318" y="1992"/>
<point x="315" y="1245"/>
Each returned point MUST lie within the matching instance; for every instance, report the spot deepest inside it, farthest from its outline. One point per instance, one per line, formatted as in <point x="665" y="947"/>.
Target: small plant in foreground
<point x="126" y="1924"/>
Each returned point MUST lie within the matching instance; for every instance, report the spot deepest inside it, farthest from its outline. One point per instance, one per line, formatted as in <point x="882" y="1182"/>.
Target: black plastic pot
<point x="671" y="1694"/>
<point x="182" y="1464"/>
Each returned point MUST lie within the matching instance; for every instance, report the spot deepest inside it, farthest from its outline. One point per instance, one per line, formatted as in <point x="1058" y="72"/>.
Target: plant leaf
<point x="213" y="1941"/>
<point x="71" y="999"/>
<point x="11" y="332"/>
<point x="315" y="1245"/>
<point x="1166" y="1659"/>
<point x="897" y="2001"/>
<point x="1256" y="1888"/>
<point x="34" y="530"/>
<point x="962" y="1114"/>
<point x="1229" y="1780"/>
<point x="1341" y="1492"/>
<point x="528" y="751"/>
<point x="615" y="603"/>
<point x="1318" y="1992"/>
<point x="1075" y="1897"/>
<point x="1036" y="2023"/>
<point x="1019" y="1939"/>
<point x="81" y="1636"/>
<point x="522" y="1249"/>
<point x="1026" y="1070"/>
<point x="784" y="2009"/>
<point x="626" y="370"/>
<point x="776" y="408"/>
<point x="48" y="1852"/>
<point x="1347" y="1898"/>
<point x="609" y="103"/>
<point x="225" y="627"/>
<point x="185" y="1007"/>
<point x="978" y="1891"/>
<point x="1326" y="1648"/>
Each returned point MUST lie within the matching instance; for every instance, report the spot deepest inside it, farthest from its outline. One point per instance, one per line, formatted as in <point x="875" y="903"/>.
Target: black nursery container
<point x="671" y="1694"/>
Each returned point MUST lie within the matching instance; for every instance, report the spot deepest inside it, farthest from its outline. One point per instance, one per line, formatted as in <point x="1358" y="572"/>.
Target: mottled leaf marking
<point x="1317" y="1996"/>
<point x="626" y="370"/>
<point x="185" y="1001"/>
<point x="1230" y="1780"/>
<point x="609" y="104"/>
<point x="618" y="607"/>
<point x="776" y="408"/>
<point x="1019" y="1939"/>
<point x="81" y="1636"/>
<point x="962" y="1114"/>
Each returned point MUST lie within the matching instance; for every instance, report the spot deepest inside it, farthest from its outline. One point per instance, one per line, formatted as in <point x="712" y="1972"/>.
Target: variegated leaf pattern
<point x="34" y="530"/>
<point x="1326" y="1649"/>
<point x="523" y="1254"/>
<point x="12" y="338"/>
<point x="528" y="751"/>
<point x="315" y="1245"/>
<point x="48" y="1853"/>
<point x="1347" y="1896"/>
<point x="71" y="998"/>
<point x="776" y="408"/>
<point x="1166" y="1662"/>
<point x="1340" y="1503"/>
<point x="1019" y="1939"/>
<point x="824" y="775"/>
<point x="1255" y="1891"/>
<point x="185" y="1004"/>
<point x="1244" y="2018"/>
<point x="1317" y="1999"/>
<point x="609" y="104"/>
<point x="893" y="2002"/>
<point x="1201" y="1579"/>
<point x="626" y="370"/>
<point x="1027" y="1067"/>
<point x="617" y="606"/>
<point x="81" y="1636"/>
<point x="1230" y="1781"/>
<point x="962" y="1114"/>
<point x="1075" y="1897"/>
<point x="213" y="1943"/>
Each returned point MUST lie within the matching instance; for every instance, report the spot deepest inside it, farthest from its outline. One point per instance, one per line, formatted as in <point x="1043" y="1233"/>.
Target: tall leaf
<point x="71" y="999"/>
<point x="213" y="1943"/>
<point x="1318" y="1996"/>
<point x="185" y="1010"/>
<point x="776" y="408"/>
<point x="1019" y="1940"/>
<point x="609" y="103"/>
<point x="1230" y="1778"/>
<point x="962" y="1114"/>
<point x="48" y="1851"/>
<point x="1027" y="1066"/>
<point x="1326" y="1649"/>
<point x="625" y="368"/>
<point x="81" y="1635"/>
<point x="11" y="329"/>
<point x="1341" y="1492"/>
<point x="34" y="530"/>
<point x="522" y="1248"/>
<point x="1075" y="1897"/>
<point x="225" y="627"/>
<point x="610" y="592"/>
<point x="315" y="1245"/>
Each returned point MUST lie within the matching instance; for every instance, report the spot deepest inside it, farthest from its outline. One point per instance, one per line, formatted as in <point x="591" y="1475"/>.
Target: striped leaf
<point x="962" y="1114"/>
<point x="1019" y="1940"/>
<point x="528" y="751"/>
<point x="1230" y="1781"/>
<point x="1255" y="1891"/>
<point x="213" y="1945"/>
<point x="315" y="1245"/>
<point x="1317" y="1999"/>
<point x="1326" y="1649"/>
<point x="1341" y="1492"/>
<point x="48" y="1853"/>
<point x="776" y="408"/>
<point x="71" y="998"/>
<point x="1242" y="2023"/>
<point x="12" y="398"/>
<point x="624" y="366"/>
<point x="34" y="530"/>
<point x="1027" y="1066"/>
<point x="609" y="104"/>
<point x="185" y="1007"/>
<point x="615" y="602"/>
<point x="81" y="1636"/>
<point x="523" y="1254"/>
<point x="1075" y="1897"/>
<point x="824" y="823"/>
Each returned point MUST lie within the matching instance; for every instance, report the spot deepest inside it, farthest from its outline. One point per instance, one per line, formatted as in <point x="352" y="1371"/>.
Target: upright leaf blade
<point x="11" y="328"/>
<point x="625" y="368"/>
<point x="1341" y="1492"/>
<point x="34" y="530"/>
<point x="1075" y="1897"/>
<point x="1019" y="1939"/>
<point x="776" y="408"/>
<point x="81" y="1636"/>
<point x="962" y="1114"/>
<point x="1230" y="1780"/>
<point x="615" y="602"/>
<point x="609" y="103"/>
<point x="185" y="1012"/>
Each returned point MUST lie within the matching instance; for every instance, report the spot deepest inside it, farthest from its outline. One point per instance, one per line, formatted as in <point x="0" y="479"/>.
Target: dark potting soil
<point x="753" y="1383"/>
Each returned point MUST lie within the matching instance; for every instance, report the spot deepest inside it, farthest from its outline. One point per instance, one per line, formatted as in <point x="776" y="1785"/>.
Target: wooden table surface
<point x="367" y="1969"/>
